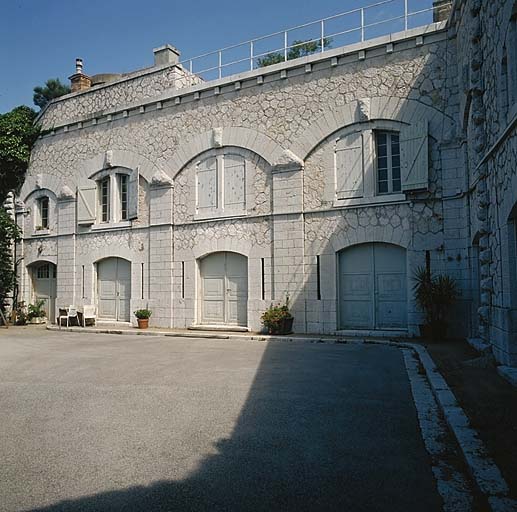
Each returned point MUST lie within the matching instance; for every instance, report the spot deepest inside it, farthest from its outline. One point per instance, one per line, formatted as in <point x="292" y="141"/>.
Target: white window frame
<point x="39" y="217"/>
<point x="113" y="178"/>
<point x="370" y="194"/>
<point x="389" y="160"/>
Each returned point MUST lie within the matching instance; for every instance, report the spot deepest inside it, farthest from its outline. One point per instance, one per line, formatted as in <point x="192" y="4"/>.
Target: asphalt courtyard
<point x="113" y="422"/>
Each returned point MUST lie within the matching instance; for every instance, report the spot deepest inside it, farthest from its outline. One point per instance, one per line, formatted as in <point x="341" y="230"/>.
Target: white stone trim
<point x="381" y="108"/>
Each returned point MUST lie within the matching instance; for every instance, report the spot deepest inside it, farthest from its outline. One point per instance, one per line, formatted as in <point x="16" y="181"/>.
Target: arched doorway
<point x="43" y="276"/>
<point x="114" y="289"/>
<point x="224" y="289"/>
<point x="372" y="287"/>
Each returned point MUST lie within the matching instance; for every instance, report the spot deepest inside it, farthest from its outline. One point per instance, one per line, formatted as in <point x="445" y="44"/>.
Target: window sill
<point x="41" y="232"/>
<point x="111" y="225"/>
<point x="219" y="216"/>
<point x="370" y="201"/>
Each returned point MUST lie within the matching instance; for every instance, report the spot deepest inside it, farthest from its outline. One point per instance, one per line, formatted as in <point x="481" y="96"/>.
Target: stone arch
<point x="32" y="260"/>
<point x="203" y="249"/>
<point x="36" y="182"/>
<point x="369" y="109"/>
<point x="374" y="234"/>
<point x="117" y="158"/>
<point x="247" y="138"/>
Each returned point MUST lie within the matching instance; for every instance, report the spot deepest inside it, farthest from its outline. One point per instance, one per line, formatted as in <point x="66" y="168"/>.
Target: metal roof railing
<point x="354" y="26"/>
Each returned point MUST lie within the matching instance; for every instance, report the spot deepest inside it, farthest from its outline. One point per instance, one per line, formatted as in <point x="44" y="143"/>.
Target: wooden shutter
<point x="414" y="155"/>
<point x="86" y="202"/>
<point x="349" y="166"/>
<point x="132" y="190"/>
<point x="234" y="182"/>
<point x="207" y="185"/>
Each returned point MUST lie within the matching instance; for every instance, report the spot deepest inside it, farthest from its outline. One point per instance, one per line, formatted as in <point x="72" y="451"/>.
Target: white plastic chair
<point x="89" y="313"/>
<point x="63" y="315"/>
<point x="72" y="313"/>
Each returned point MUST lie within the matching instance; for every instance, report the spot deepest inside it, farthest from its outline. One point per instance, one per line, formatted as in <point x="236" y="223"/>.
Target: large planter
<point x="143" y="323"/>
<point x="38" y="320"/>
<point x="285" y="326"/>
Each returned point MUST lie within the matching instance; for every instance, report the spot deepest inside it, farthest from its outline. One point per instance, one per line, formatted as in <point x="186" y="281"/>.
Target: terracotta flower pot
<point x="284" y="326"/>
<point x="143" y="323"/>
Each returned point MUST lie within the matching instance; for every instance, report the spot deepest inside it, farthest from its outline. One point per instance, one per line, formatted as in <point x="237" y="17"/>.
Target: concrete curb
<point x="482" y="468"/>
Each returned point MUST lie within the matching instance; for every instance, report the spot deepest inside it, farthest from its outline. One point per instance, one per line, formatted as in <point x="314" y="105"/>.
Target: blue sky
<point x="41" y="39"/>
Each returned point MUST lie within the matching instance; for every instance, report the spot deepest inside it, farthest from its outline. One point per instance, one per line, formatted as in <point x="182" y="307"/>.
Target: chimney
<point x="166" y="54"/>
<point x="441" y="10"/>
<point x="79" y="81"/>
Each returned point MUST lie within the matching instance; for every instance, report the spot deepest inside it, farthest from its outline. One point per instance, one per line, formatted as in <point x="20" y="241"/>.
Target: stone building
<point x="329" y="178"/>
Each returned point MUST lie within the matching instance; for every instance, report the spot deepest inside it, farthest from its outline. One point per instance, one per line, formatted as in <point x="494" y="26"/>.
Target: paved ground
<point x="129" y="423"/>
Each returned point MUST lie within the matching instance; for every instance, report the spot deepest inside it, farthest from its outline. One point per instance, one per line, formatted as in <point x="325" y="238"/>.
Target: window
<point x="43" y="271"/>
<point x="377" y="159"/>
<point x="123" y="190"/>
<point x="104" y="199"/>
<point x="221" y="184"/>
<point x="387" y="151"/>
<point x="43" y="209"/>
<point x="110" y="197"/>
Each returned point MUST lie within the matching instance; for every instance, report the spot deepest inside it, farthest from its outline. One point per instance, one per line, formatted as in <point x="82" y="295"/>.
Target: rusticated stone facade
<point x="259" y="165"/>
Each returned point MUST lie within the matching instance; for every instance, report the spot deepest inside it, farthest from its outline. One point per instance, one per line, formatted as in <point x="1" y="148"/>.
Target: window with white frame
<point x="221" y="184"/>
<point x="104" y="199"/>
<point x="387" y="158"/>
<point x="380" y="159"/>
<point x="109" y="198"/>
<point x="42" y="213"/>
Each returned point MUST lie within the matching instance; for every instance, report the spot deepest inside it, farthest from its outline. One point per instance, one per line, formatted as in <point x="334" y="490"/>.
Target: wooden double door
<point x="372" y="287"/>
<point x="224" y="289"/>
<point x="114" y="289"/>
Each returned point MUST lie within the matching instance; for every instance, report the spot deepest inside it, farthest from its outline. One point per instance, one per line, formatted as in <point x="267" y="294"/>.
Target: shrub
<point x="143" y="313"/>
<point x="36" y="310"/>
<point x="277" y="316"/>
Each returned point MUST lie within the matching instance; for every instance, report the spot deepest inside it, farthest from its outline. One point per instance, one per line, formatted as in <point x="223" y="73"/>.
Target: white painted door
<point x="114" y="289"/>
<point x="372" y="287"/>
<point x="44" y="283"/>
<point x="224" y="289"/>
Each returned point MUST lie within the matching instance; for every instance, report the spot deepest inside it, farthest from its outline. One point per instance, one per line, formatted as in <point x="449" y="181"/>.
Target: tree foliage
<point x="17" y="136"/>
<point x="53" y="88"/>
<point x="9" y="233"/>
<point x="298" y="49"/>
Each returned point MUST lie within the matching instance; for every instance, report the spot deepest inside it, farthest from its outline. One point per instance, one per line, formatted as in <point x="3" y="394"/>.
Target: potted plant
<point x="277" y="319"/>
<point x="36" y="314"/>
<point x="142" y="316"/>
<point x="434" y="295"/>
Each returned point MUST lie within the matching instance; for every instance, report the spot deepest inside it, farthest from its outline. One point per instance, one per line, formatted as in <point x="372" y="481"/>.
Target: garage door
<point x="224" y="289"/>
<point x="373" y="287"/>
<point x="114" y="289"/>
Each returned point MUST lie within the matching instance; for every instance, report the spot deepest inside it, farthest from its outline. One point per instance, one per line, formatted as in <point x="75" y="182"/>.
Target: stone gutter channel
<point x="481" y="466"/>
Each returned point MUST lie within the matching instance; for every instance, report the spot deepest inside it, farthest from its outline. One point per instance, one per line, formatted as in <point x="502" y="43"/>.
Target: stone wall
<point x="282" y="120"/>
<point x="484" y="30"/>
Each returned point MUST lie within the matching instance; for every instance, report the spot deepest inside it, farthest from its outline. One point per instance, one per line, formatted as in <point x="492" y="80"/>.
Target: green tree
<point x="298" y="49"/>
<point x="17" y="136"/>
<point x="9" y="234"/>
<point x="53" y="89"/>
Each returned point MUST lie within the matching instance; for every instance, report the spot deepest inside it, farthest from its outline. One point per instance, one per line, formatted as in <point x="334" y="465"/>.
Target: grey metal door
<point x="372" y="287"/>
<point x="114" y="289"/>
<point x="224" y="289"/>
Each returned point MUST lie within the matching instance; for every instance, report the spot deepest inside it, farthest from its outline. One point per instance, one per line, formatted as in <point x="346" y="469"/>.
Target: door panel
<point x="356" y="287"/>
<point x="372" y="287"/>
<point x="224" y="290"/>
<point x="124" y="290"/>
